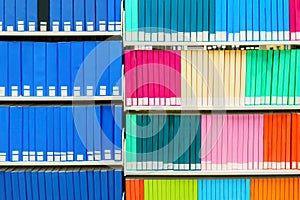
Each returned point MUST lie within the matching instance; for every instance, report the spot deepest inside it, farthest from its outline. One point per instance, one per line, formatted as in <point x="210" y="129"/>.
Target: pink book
<point x="297" y="19"/>
<point x="209" y="146"/>
<point x="220" y="141"/>
<point x="151" y="76"/>
<point x="245" y="142"/>
<point x="203" y="142"/>
<point x="255" y="143"/>
<point x="156" y="77"/>
<point x="133" y="76"/>
<point x="139" y="77"/>
<point x="162" y="78"/>
<point x="292" y="20"/>
<point x="178" y="77"/>
<point x="213" y="136"/>
<point x="240" y="141"/>
<point x="167" y="77"/>
<point x="145" y="68"/>
<point x="250" y="142"/>
<point x="261" y="142"/>
<point x="128" y="77"/>
<point x="235" y="141"/>
<point x="172" y="78"/>
<point x="224" y="154"/>
<point x="230" y="142"/>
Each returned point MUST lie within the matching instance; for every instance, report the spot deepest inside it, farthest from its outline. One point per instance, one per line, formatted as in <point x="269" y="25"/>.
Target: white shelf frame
<point x="61" y="99"/>
<point x="61" y="33"/>
<point x="75" y="163"/>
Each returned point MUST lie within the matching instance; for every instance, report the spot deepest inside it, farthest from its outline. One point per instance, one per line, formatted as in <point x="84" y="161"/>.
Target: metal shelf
<point x="60" y="99"/>
<point x="46" y="164"/>
<point x="61" y="33"/>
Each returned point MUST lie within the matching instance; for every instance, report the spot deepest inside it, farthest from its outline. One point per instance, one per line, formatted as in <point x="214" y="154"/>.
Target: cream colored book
<point x="232" y="78"/>
<point x="227" y="77"/>
<point x="221" y="82"/>
<point x="210" y="86"/>
<point x="243" y="78"/>
<point x="194" y="94"/>
<point x="200" y="78"/>
<point x="205" y="75"/>
<point x="183" y="78"/>
<point x="189" y="78"/>
<point x="216" y="78"/>
<point x="237" y="90"/>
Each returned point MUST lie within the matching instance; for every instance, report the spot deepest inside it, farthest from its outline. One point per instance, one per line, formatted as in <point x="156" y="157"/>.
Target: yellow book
<point x="216" y="78"/>
<point x="183" y="77"/>
<point x="227" y="77"/>
<point x="232" y="78"/>
<point x="221" y="82"/>
<point x="200" y="78"/>
<point x="237" y="78"/>
<point x="243" y="78"/>
<point x="205" y="75"/>
<point x="210" y="86"/>
<point x="194" y="94"/>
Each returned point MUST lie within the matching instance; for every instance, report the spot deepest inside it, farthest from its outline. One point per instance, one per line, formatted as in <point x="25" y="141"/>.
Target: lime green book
<point x="128" y="18"/>
<point x="128" y="143"/>
<point x="172" y="189"/>
<point x="134" y="20"/>
<point x="258" y="78"/>
<point x="286" y="79"/>
<point x="168" y="189"/>
<point x="297" y="89"/>
<point x="150" y="190"/>
<point x="248" y="77"/>
<point x="155" y="190"/>
<point x="253" y="77"/>
<point x="291" y="100"/>
<point x="263" y="76"/>
<point x="146" y="190"/>
<point x="269" y="77"/>
<point x="281" y="76"/>
<point x="165" y="191"/>
<point x="275" y="71"/>
<point x="182" y="189"/>
<point x="195" y="192"/>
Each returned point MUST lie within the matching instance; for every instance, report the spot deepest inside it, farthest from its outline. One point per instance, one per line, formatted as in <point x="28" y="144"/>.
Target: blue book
<point x="5" y="133"/>
<point x="32" y="15"/>
<point x="4" y="69"/>
<point x="42" y="185"/>
<point x="149" y="20"/>
<point x="70" y="184"/>
<point x="218" y="19"/>
<point x="206" y="20"/>
<point x="111" y="185"/>
<point x="55" y="15"/>
<point x="90" y="113"/>
<point x="234" y="190"/>
<point x="89" y="68"/>
<point x="111" y="15"/>
<point x="248" y="189"/>
<point x="67" y="15"/>
<point x="40" y="133"/>
<point x="52" y="64"/>
<point x="77" y="73"/>
<point x="118" y="184"/>
<point x="27" y="69"/>
<point x="115" y="60"/>
<point x="32" y="149"/>
<point x="187" y="20"/>
<point x="181" y="28"/>
<point x="174" y="20"/>
<point x="20" y="15"/>
<point x="236" y="21"/>
<point x="77" y="189"/>
<point x="212" y="26"/>
<point x="55" y="184"/>
<point x="90" y="15"/>
<point x="97" y="133"/>
<point x="48" y="183"/>
<point x="243" y="189"/>
<point x="194" y="20"/>
<point x="97" y="184"/>
<point x="218" y="189"/>
<point x="14" y="67"/>
<point x="230" y="189"/>
<point x="167" y="20"/>
<point x="28" y="184"/>
<point x="269" y="19"/>
<point x="262" y="20"/>
<point x="22" y="184"/>
<point x="10" y="17"/>
<point x="238" y="189"/>
<point x="118" y="132"/>
<point x="142" y="17"/>
<point x="15" y="184"/>
<point x="205" y="190"/>
<point x="280" y="18"/>
<point x="2" y="14"/>
<point x="25" y="147"/>
<point x="103" y="67"/>
<point x="249" y="19"/>
<point x="79" y="114"/>
<point x="62" y="184"/>
<point x="2" y="184"/>
<point x="70" y="135"/>
<point x="63" y="133"/>
<point x="39" y="68"/>
<point x="101" y="15"/>
<point x="90" y="184"/>
<point x="8" y="185"/>
<point x="107" y="147"/>
<point x="50" y="133"/>
<point x="286" y="19"/>
<point x="104" y="185"/>
<point x="35" y="184"/>
<point x="224" y="4"/>
<point x="243" y="18"/>
<point x="83" y="184"/>
<point x="256" y="20"/>
<point x="209" y="188"/>
<point x="64" y="61"/>
<point x="274" y="20"/>
<point x="230" y="22"/>
<point x="56" y="135"/>
<point x="79" y="15"/>
<point x="16" y="133"/>
<point x="118" y="19"/>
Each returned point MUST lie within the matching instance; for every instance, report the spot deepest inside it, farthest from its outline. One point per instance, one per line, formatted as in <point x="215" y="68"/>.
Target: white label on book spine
<point x="1" y="26"/>
<point x="134" y="101"/>
<point x="281" y="35"/>
<point x="286" y="35"/>
<point x="20" y="25"/>
<point x="80" y="157"/>
<point x="275" y="36"/>
<point x="2" y="91"/>
<point x="199" y="36"/>
<point x="140" y="102"/>
<point x="52" y="91"/>
<point x="64" y="91"/>
<point x="168" y="37"/>
<point x="256" y="35"/>
<point x="297" y="101"/>
<point x="174" y="37"/>
<point x="298" y="36"/>
<point x="230" y="37"/>
<point x="193" y="36"/>
<point x="180" y="36"/>
<point x="236" y="37"/>
<point x="102" y="90"/>
<point x="40" y="91"/>
<point x="15" y="91"/>
<point x="141" y="36"/>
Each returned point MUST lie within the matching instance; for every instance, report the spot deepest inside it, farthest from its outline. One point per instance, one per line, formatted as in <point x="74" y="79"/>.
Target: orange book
<point x="128" y="189"/>
<point x="288" y="141"/>
<point x="277" y="190"/>
<point x="296" y="188"/>
<point x="270" y="134"/>
<point x="282" y="188"/>
<point x="273" y="186"/>
<point x="286" y="189"/>
<point x="270" y="192"/>
<point x="141" y="184"/>
<point x="283" y="140"/>
<point x="291" y="184"/>
<point x="264" y="183"/>
<point x="256" y="189"/>
<point x="279" y="141"/>
<point x="294" y="141"/>
<point x="252" y="189"/>
<point x="274" y="142"/>
<point x="260" y="188"/>
<point x="136" y="189"/>
<point x="266" y="138"/>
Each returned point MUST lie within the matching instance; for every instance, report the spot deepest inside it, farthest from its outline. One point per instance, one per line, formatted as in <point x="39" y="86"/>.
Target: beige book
<point x="227" y="77"/>
<point x="237" y="78"/>
<point x="216" y="78"/>
<point x="183" y="77"/>
<point x="210" y="86"/>
<point x="200" y="78"/>
<point x="194" y="94"/>
<point x="232" y="78"/>
<point x="221" y="82"/>
<point x="243" y="78"/>
<point x="205" y="76"/>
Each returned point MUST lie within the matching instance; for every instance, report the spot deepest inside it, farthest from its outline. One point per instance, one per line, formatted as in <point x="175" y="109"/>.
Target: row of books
<point x="61" y="68"/>
<point x="60" y="134"/>
<point x="214" y="142"/>
<point x="61" y="183"/>
<point x="209" y="189"/>
<point x="217" y="20"/>
<point x="58" y="15"/>
<point x="212" y="78"/>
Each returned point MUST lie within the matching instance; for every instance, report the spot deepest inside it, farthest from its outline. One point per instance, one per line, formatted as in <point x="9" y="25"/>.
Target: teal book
<point x="149" y="139"/>
<point x="133" y="141"/>
<point x="253" y="76"/>
<point x="263" y="76"/>
<point x="155" y="134"/>
<point x="192" y="148"/>
<point x="286" y="78"/>
<point x="155" y="10"/>
<point x="174" y="21"/>
<point x="139" y="141"/>
<point x="291" y="100"/>
<point x="148" y="23"/>
<point x="134" y="20"/>
<point x="161" y="20"/>
<point x="141" y="20"/>
<point x="258" y="78"/>
<point x="167" y="21"/>
<point x="198" y="142"/>
<point x="166" y="142"/>
<point x="193" y="20"/>
<point x="199" y="20"/>
<point x="181" y="17"/>
<point x="212" y="29"/>
<point x="187" y="141"/>
<point x="205" y="20"/>
<point x="187" y="21"/>
<point x="128" y="143"/>
<point x="248" y="77"/>
<point x="171" y="142"/>
<point x="275" y="71"/>
<point x="144" y="139"/>
<point x="128" y="22"/>
<point x="269" y="77"/>
<point x="281" y="77"/>
<point x="160" y="133"/>
<point x="176" y="142"/>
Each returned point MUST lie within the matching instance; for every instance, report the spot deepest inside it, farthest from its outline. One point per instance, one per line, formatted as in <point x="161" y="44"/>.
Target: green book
<point x="146" y="190"/>
<point x="248" y="77"/>
<point x="269" y="77"/>
<point x="182" y="189"/>
<point x="150" y="190"/>
<point x="155" y="190"/>
<point x="172" y="189"/>
<point x="274" y="92"/>
<point x="178" y="188"/>
<point x="253" y="77"/>
<point x="134" y="20"/>
<point x="164" y="192"/>
<point x="128" y="143"/>
<point x="128" y="18"/>
<point x="291" y="100"/>
<point x="297" y="89"/>
<point x="286" y="79"/>
<point x="263" y="76"/>
<point x="195" y="182"/>
<point x="281" y="77"/>
<point x="258" y="78"/>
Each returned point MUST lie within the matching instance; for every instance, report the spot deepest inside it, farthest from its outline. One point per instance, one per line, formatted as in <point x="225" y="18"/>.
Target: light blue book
<point x="280" y="17"/>
<point x="268" y="20"/>
<point x="262" y="20"/>
<point x="236" y="21"/>
<point x="274" y="20"/>
<point x="256" y="20"/>
<point x="230" y="22"/>
<point x="286" y="19"/>
<point x="249" y="20"/>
